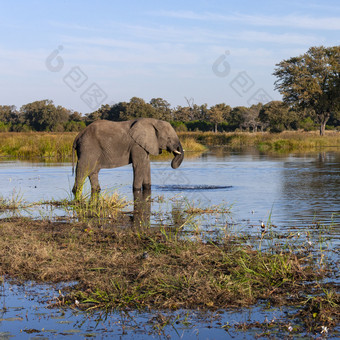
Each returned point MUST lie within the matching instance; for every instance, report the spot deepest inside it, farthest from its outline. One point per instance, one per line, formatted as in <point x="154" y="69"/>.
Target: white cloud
<point x="291" y="20"/>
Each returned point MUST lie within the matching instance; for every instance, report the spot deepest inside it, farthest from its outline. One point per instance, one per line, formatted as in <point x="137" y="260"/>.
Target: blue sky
<point x="82" y="54"/>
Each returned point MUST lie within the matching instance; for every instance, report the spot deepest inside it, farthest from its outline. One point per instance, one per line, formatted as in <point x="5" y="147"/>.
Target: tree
<point x="162" y="109"/>
<point x="218" y="113"/>
<point x="278" y="116"/>
<point x="106" y="112"/>
<point x="9" y="117"/>
<point x="44" y="116"/>
<point x="75" y="116"/>
<point x="181" y="114"/>
<point x="237" y="116"/>
<point x="312" y="81"/>
<point x="138" y="108"/>
<point x="250" y="117"/>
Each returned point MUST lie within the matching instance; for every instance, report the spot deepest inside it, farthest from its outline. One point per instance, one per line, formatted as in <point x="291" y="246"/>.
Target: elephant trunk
<point x="179" y="155"/>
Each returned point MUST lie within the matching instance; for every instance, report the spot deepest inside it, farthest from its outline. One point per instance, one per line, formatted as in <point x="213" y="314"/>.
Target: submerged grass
<point x="101" y="208"/>
<point x="15" y="202"/>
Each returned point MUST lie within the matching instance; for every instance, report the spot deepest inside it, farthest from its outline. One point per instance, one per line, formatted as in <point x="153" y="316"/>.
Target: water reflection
<point x="311" y="187"/>
<point x="141" y="208"/>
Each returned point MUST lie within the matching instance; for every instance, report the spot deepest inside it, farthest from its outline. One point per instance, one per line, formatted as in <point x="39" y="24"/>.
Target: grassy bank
<point x="28" y="145"/>
<point x="58" y="146"/>
<point x="55" y="146"/>
<point x="285" y="141"/>
<point x="166" y="268"/>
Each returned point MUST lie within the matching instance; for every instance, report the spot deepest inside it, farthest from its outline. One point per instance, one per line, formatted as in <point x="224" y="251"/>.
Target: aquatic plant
<point x="14" y="202"/>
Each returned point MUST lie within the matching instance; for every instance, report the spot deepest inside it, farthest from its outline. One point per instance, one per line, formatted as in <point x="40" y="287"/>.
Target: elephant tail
<point x="75" y="147"/>
<point x="73" y="151"/>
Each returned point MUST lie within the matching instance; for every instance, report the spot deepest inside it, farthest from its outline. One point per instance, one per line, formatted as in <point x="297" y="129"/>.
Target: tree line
<point x="274" y="116"/>
<point x="309" y="84"/>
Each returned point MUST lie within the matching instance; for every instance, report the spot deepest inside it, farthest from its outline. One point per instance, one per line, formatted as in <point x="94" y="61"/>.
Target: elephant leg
<point x="141" y="169"/>
<point x="95" y="187"/>
<point x="79" y="181"/>
<point x="147" y="178"/>
<point x="142" y="209"/>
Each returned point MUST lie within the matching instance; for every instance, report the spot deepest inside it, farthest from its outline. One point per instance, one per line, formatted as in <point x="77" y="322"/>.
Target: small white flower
<point x="324" y="330"/>
<point x="76" y="302"/>
<point x="290" y="328"/>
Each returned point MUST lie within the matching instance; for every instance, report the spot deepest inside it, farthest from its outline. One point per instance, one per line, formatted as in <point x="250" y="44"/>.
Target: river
<point x="288" y="191"/>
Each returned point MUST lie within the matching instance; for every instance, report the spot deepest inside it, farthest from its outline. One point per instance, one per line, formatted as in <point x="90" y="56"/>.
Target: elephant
<point x="108" y="144"/>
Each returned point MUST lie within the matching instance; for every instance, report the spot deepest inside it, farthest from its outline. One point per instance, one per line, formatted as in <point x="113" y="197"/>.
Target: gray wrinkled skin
<point x="107" y="144"/>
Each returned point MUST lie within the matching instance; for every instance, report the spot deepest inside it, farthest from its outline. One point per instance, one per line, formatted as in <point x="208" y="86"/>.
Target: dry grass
<point x="152" y="267"/>
<point x="190" y="144"/>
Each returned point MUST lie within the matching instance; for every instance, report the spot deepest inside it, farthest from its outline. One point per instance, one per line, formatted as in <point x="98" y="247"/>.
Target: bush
<point x="179" y="126"/>
<point x="199" y="125"/>
<point x="307" y="124"/>
<point x="74" y="126"/>
<point x="5" y="127"/>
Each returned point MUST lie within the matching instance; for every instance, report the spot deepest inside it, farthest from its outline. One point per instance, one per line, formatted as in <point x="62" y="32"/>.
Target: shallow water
<point x="25" y="314"/>
<point x="291" y="192"/>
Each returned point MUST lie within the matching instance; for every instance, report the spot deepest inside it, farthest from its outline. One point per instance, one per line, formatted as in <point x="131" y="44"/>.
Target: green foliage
<point x="9" y="114"/>
<point x="72" y="126"/>
<point x="4" y="127"/>
<point x="179" y="126"/>
<point x="307" y="124"/>
<point x="199" y="125"/>
<point x="162" y="109"/>
<point x="217" y="114"/>
<point x="277" y="116"/>
<point x="311" y="81"/>
<point x="44" y="116"/>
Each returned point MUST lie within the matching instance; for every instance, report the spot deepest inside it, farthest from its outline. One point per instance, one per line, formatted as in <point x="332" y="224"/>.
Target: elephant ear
<point x="144" y="134"/>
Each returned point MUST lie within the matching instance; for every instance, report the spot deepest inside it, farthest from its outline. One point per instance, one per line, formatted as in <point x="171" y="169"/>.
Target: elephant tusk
<point x="176" y="152"/>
